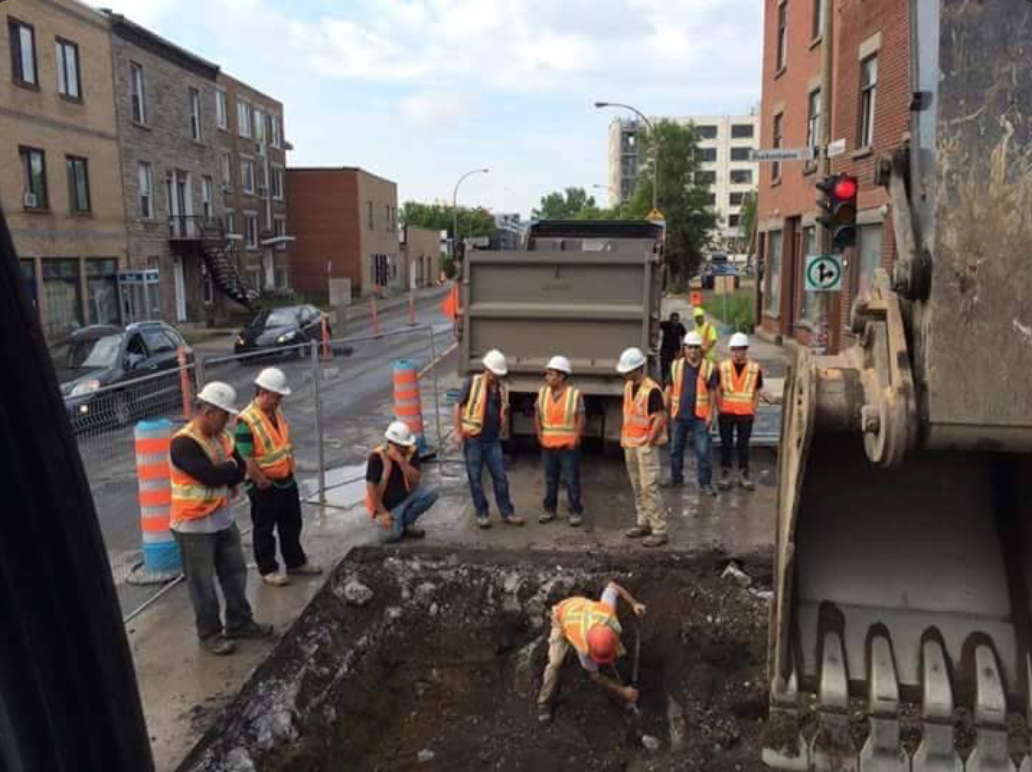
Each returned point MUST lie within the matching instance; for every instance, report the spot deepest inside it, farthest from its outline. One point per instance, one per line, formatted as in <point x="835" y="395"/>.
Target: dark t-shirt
<point x="688" y="389"/>
<point x="396" y="491"/>
<point x="759" y="374"/>
<point x="656" y="403"/>
<point x="492" y="412"/>
<point x="673" y="335"/>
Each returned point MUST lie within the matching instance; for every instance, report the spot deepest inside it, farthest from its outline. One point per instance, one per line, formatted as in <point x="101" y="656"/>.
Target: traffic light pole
<point x="823" y="162"/>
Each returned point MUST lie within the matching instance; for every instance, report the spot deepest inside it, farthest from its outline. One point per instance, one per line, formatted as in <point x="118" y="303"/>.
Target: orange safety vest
<point x="636" y="419"/>
<point x="385" y="476"/>
<point x="738" y="392"/>
<point x="702" y="398"/>
<point x="273" y="451"/>
<point x="192" y="500"/>
<point x="558" y="417"/>
<point x="476" y="407"/>
<point x="577" y="615"/>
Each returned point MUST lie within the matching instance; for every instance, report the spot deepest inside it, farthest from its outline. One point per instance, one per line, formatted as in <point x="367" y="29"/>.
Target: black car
<point x="100" y="368"/>
<point x="277" y="328"/>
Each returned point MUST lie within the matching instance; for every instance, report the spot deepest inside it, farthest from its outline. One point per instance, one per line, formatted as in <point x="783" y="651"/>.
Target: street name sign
<point x="776" y="154"/>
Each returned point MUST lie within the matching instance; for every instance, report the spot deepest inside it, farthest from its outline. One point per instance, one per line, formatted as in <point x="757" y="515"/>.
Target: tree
<point x="565" y="205"/>
<point x="747" y="220"/>
<point x="441" y="217"/>
<point x="685" y="201"/>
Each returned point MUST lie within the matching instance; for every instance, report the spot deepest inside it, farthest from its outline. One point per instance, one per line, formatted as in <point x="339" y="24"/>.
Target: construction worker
<point x="205" y="469"/>
<point x="559" y="424"/>
<point x="643" y="431"/>
<point x="263" y="440"/>
<point x="593" y="630"/>
<point x="394" y="494"/>
<point x="692" y="395"/>
<point x="707" y="332"/>
<point x="741" y="379"/>
<point x="481" y="418"/>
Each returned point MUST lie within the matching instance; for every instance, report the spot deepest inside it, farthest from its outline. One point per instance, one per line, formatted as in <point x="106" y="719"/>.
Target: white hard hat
<point x="693" y="339"/>
<point x="272" y="379"/>
<point x="739" y="340"/>
<point x="399" y="433"/>
<point x="630" y="360"/>
<point x="494" y="360"/>
<point x="220" y="395"/>
<point x="560" y="363"/>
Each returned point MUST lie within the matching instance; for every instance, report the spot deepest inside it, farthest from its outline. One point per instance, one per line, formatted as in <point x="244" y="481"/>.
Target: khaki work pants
<point x="644" y="470"/>
<point x="558" y="647"/>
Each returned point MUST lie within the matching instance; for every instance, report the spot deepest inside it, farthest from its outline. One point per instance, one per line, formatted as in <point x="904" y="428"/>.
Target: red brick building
<point x="345" y="224"/>
<point x="869" y="110"/>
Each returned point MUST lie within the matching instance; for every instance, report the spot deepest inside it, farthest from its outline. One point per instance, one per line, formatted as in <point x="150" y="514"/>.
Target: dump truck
<point x="584" y="289"/>
<point x="901" y="624"/>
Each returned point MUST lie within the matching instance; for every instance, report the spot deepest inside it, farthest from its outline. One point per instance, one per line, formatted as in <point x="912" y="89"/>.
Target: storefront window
<point x="63" y="293"/>
<point x="773" y="305"/>
<point x="102" y="290"/>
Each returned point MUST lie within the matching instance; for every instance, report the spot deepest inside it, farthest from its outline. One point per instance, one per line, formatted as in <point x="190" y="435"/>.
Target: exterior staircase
<point x="209" y="236"/>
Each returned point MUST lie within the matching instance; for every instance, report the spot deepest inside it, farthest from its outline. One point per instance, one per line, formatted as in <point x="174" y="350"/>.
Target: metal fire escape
<point x="206" y="236"/>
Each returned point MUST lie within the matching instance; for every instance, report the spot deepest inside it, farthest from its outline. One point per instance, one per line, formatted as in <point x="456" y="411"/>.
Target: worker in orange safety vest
<point x="559" y="423"/>
<point x="741" y="380"/>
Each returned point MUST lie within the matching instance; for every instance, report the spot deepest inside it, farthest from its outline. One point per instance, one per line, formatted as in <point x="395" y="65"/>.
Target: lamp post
<point x="455" y="208"/>
<point x="655" y="145"/>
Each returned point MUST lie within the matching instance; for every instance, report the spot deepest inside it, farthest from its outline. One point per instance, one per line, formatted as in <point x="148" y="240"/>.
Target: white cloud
<point x="433" y="107"/>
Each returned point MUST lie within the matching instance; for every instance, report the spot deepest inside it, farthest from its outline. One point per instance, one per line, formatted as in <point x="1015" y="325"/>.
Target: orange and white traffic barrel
<point x="162" y="561"/>
<point x="408" y="407"/>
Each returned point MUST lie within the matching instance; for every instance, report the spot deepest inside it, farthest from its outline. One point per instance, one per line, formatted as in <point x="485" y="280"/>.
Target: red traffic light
<point x="845" y="188"/>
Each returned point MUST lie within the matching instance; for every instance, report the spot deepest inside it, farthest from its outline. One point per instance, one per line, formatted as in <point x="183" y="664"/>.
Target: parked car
<point x="275" y="329"/>
<point x="718" y="265"/>
<point x="100" y="368"/>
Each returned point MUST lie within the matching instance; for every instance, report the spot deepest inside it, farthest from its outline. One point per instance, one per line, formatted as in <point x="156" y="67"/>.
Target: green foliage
<point x="690" y="220"/>
<point x="748" y="216"/>
<point x="573" y="204"/>
<point x="447" y="263"/>
<point x="441" y="217"/>
<point x="736" y="311"/>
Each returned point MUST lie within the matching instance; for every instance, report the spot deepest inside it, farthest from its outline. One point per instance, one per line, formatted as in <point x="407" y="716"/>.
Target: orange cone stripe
<point x="152" y="472"/>
<point x="404" y="410"/>
<point x="154" y="524"/>
<point x="158" y="498"/>
<point x="413" y="395"/>
<point x="152" y="446"/>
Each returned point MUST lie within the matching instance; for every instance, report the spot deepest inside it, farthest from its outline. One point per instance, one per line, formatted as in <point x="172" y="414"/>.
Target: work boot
<point x="725" y="480"/>
<point x="744" y="481"/>
<point x="483" y="522"/>
<point x="672" y="484"/>
<point x="218" y="646"/>
<point x="308" y="568"/>
<point x="393" y="537"/>
<point x="275" y="579"/>
<point x="414" y="533"/>
<point x="656" y="540"/>
<point x="708" y="490"/>
<point x="250" y="630"/>
<point x="638" y="532"/>
<point x="546" y="517"/>
<point x="576" y="519"/>
<point x="513" y="520"/>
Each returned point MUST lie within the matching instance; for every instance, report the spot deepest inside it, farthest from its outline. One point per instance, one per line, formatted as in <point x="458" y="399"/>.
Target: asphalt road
<point x="354" y="390"/>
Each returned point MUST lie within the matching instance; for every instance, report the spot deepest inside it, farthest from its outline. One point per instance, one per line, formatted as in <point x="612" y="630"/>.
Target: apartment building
<point x="345" y="222"/>
<point x="869" y="112"/>
<point x="60" y="185"/>
<point x="725" y="143"/>
<point x="252" y="158"/>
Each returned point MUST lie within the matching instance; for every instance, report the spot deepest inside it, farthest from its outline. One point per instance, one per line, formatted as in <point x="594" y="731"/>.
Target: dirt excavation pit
<point x="432" y="660"/>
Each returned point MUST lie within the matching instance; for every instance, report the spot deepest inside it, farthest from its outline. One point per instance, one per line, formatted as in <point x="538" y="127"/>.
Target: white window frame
<point x="207" y="198"/>
<point x="258" y="115"/>
<point x="69" y="73"/>
<point x="247" y="181"/>
<point x="813" y="117"/>
<point x="279" y="224"/>
<point x="226" y="164"/>
<point x="782" y="32"/>
<point x="277" y="132"/>
<point x="138" y="93"/>
<point x="251" y="222"/>
<point x="222" y="108"/>
<point x="145" y="180"/>
<point x="29" y="64"/>
<point x="868" y="100"/>
<point x="196" y="132"/>
<point x="244" y="118"/>
<point x="230" y="222"/>
<point x="277" y="182"/>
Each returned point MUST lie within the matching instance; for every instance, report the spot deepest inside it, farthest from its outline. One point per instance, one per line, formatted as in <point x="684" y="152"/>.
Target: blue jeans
<point x="683" y="426"/>
<point x="479" y="454"/>
<point x="408" y="511"/>
<point x="207" y="556"/>
<point x="562" y="464"/>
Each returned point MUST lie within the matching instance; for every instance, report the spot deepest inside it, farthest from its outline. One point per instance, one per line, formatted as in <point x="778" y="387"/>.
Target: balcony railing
<point x="194" y="227"/>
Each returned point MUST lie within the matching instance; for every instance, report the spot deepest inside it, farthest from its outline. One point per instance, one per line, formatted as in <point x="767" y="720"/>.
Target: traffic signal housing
<point x="837" y="200"/>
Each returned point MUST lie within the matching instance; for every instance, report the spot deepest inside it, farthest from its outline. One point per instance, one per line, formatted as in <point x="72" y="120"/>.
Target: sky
<point x="421" y="91"/>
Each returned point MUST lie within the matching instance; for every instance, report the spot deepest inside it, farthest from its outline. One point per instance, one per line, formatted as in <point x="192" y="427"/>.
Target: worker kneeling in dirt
<point x="394" y="496"/>
<point x="593" y="630"/>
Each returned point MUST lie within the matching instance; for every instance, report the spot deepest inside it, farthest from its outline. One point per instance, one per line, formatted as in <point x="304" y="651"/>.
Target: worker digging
<point x="559" y="424"/>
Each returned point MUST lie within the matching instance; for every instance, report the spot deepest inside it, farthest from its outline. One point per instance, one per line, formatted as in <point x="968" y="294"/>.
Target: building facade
<point x="421" y="256"/>
<point x="345" y="223"/>
<point x="60" y="184"/>
<point x="869" y="112"/>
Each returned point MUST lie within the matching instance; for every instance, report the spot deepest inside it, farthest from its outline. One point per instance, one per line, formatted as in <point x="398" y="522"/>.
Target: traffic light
<point x="837" y="199"/>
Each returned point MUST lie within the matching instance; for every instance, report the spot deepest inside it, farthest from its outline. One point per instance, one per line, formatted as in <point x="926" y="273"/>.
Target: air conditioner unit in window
<point x="30" y="200"/>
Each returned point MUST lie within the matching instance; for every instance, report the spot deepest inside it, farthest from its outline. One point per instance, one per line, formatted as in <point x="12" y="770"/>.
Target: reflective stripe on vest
<point x="702" y="398"/>
<point x="385" y="476"/>
<point x="636" y="424"/>
<point x="476" y="407"/>
<point x="273" y="451"/>
<point x="190" y="499"/>
<point x="578" y="615"/>
<point x="558" y="417"/>
<point x="738" y="395"/>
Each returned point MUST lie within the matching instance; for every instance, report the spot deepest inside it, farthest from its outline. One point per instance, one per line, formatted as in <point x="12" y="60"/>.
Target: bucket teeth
<point x="990" y="753"/>
<point x="792" y="753"/>
<point x="883" y="751"/>
<point x="833" y="749"/>
<point x="936" y="753"/>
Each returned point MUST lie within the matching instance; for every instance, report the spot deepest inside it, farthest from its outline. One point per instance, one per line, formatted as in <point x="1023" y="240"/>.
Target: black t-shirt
<point x="656" y="403"/>
<point x="492" y="428"/>
<point x="673" y="334"/>
<point x="396" y="491"/>
<point x="759" y="373"/>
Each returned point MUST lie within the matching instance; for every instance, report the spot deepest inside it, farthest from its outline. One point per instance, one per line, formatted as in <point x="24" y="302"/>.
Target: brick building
<point x="869" y="111"/>
<point x="345" y="222"/>
<point x="60" y="186"/>
<point x="421" y="256"/>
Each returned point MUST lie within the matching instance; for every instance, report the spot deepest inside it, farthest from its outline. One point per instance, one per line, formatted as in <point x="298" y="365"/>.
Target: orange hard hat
<point x="603" y="644"/>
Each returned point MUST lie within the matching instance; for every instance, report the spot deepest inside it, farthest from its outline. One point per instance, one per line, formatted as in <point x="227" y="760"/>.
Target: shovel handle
<point x="637" y="654"/>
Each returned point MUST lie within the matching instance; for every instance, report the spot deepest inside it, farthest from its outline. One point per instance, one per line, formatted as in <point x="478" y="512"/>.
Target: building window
<point x="708" y="155"/>
<point x="251" y="231"/>
<point x="372" y="223"/>
<point x="69" y="85"/>
<point x="102" y="290"/>
<point x="818" y="19"/>
<point x="706" y="132"/>
<point x="23" y="53"/>
<point x="868" y="91"/>
<point x="63" y="294"/>
<point x="740" y="153"/>
<point x="733" y="220"/>
<point x="146" y="176"/>
<point x="810" y="305"/>
<point x="78" y="185"/>
<point x="244" y="119"/>
<point x="247" y="175"/>
<point x="282" y="280"/>
<point x="227" y="170"/>
<point x="280" y="225"/>
<point x="230" y="225"/>
<point x="221" y="109"/>
<point x="735" y="199"/>
<point x="259" y="126"/>
<point x="277" y="183"/>
<point x="813" y="117"/>
<point x="195" y="115"/>
<point x="782" y="35"/>
<point x="206" y="198"/>
<point x="139" y="94"/>
<point x="741" y="176"/>
<point x="773" y="305"/>
<point x="869" y="244"/>
<point x="779" y="128"/>
<point x="34" y="170"/>
<point x="741" y="131"/>
<point x="705" y="178"/>
<point x="277" y="132"/>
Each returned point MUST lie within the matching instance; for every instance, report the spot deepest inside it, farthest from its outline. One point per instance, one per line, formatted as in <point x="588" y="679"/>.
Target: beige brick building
<point x="421" y="256"/>
<point x="60" y="180"/>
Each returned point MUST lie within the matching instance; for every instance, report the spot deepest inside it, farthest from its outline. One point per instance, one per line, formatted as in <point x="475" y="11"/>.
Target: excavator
<point x="901" y="623"/>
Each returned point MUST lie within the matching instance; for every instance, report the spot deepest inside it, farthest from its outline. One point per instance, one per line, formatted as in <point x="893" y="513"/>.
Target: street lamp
<point x="655" y="145"/>
<point x="455" y="208"/>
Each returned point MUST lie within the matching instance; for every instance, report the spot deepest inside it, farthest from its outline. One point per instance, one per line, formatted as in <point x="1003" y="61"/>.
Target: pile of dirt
<point x="433" y="660"/>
